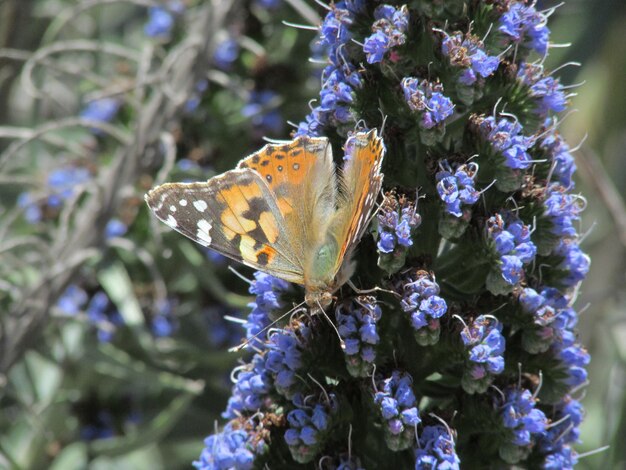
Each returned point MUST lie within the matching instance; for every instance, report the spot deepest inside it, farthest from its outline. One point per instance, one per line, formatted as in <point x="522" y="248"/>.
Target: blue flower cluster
<point x="421" y="301"/>
<point x="389" y="31"/>
<point x="235" y="448"/>
<point x="100" y="311"/>
<point x="526" y="423"/>
<point x="563" y="209"/>
<point x="436" y="450"/>
<point x="272" y="369"/>
<point x="554" y="323"/>
<point x="226" y="53"/>
<point x="511" y="241"/>
<point x="104" y="316"/>
<point x="468" y="53"/>
<point x="427" y="99"/>
<point x="396" y="220"/>
<point x="101" y="110"/>
<point x="524" y="25"/>
<point x="267" y="290"/>
<point x="484" y="344"/>
<point x="546" y="90"/>
<point x="308" y="427"/>
<point x="456" y="187"/>
<point x="340" y="78"/>
<point x="574" y="264"/>
<point x="398" y="407"/>
<point x="163" y="322"/>
<point x="356" y="323"/>
<point x="61" y="184"/>
<point x="558" y="153"/>
<point x="556" y="442"/>
<point x="505" y="137"/>
<point x="262" y="111"/>
<point x="161" y="19"/>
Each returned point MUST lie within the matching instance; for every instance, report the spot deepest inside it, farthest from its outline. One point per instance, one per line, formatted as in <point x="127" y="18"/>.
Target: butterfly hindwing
<point x="361" y="181"/>
<point x="235" y="214"/>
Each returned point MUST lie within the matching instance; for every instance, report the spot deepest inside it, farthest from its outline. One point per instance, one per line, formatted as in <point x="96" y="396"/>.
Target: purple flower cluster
<point x="456" y="187"/>
<point x="556" y="442"/>
<point x="505" y="137"/>
<point x="356" y="323"/>
<point x="163" y="322"/>
<point x="546" y="90"/>
<point x="558" y="153"/>
<point x="396" y="220"/>
<point x="436" y="450"/>
<point x="526" y="423"/>
<point x="103" y="314"/>
<point x="308" y="427"/>
<point x="263" y="112"/>
<point x="161" y="19"/>
<point x="267" y="290"/>
<point x="421" y="301"/>
<point x="398" y="407"/>
<point x="523" y="24"/>
<point x="468" y="53"/>
<point x="427" y="99"/>
<point x="61" y="185"/>
<point x="511" y="242"/>
<point x="554" y="322"/>
<point x="252" y="384"/>
<point x="484" y="344"/>
<point x="340" y="78"/>
<point x="73" y="300"/>
<point x="235" y="448"/>
<point x="574" y="262"/>
<point x="101" y="110"/>
<point x="389" y="31"/>
<point x="562" y="209"/>
<point x="226" y="53"/>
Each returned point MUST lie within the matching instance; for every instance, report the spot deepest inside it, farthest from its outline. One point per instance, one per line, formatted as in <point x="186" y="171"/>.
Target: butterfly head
<point x="318" y="299"/>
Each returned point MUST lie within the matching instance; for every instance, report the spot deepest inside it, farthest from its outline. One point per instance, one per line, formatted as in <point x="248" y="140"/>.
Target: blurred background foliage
<point x="114" y="330"/>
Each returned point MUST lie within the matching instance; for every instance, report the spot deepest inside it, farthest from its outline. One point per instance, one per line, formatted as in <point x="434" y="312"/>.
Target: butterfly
<point x="284" y="210"/>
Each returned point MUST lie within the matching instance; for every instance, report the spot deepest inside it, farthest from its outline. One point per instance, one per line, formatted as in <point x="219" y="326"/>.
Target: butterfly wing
<point x="237" y="215"/>
<point x="301" y="174"/>
<point x="360" y="183"/>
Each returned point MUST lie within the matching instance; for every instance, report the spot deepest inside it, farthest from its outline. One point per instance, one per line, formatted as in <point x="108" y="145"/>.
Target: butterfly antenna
<point x="239" y="275"/>
<point x="249" y="340"/>
<point x="341" y="341"/>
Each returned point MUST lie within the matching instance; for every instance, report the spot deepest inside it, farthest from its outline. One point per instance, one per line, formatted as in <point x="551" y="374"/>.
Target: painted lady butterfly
<point x="284" y="210"/>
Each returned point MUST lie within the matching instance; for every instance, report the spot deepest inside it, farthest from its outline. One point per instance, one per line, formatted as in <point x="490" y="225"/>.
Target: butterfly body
<point x="284" y="210"/>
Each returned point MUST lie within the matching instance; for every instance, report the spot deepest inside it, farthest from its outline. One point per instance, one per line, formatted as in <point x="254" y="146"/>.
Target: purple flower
<point x="520" y="415"/>
<point x="398" y="407"/>
<point x="484" y="344"/>
<point x="389" y="31"/>
<point x="226" y="53"/>
<point x="232" y="448"/>
<point x="426" y="99"/>
<point x="505" y="138"/>
<point x="522" y="24"/>
<point x="436" y="450"/>
<point x="469" y="55"/>
<point x="356" y="323"/>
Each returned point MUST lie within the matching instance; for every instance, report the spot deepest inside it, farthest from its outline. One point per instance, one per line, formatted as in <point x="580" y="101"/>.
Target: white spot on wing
<point x="203" y="234"/>
<point x="183" y="202"/>
<point x="200" y="205"/>
<point x="171" y="221"/>
<point x="173" y="208"/>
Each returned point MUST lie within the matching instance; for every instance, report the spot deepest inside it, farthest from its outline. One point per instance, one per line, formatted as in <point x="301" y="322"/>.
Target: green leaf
<point x="118" y="285"/>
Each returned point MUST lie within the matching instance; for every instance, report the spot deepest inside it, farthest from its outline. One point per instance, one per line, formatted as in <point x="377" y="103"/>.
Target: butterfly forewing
<point x="235" y="214"/>
<point x="301" y="174"/>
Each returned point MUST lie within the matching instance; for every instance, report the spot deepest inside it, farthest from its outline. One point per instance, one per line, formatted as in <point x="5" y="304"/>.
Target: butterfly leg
<point x="373" y="289"/>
